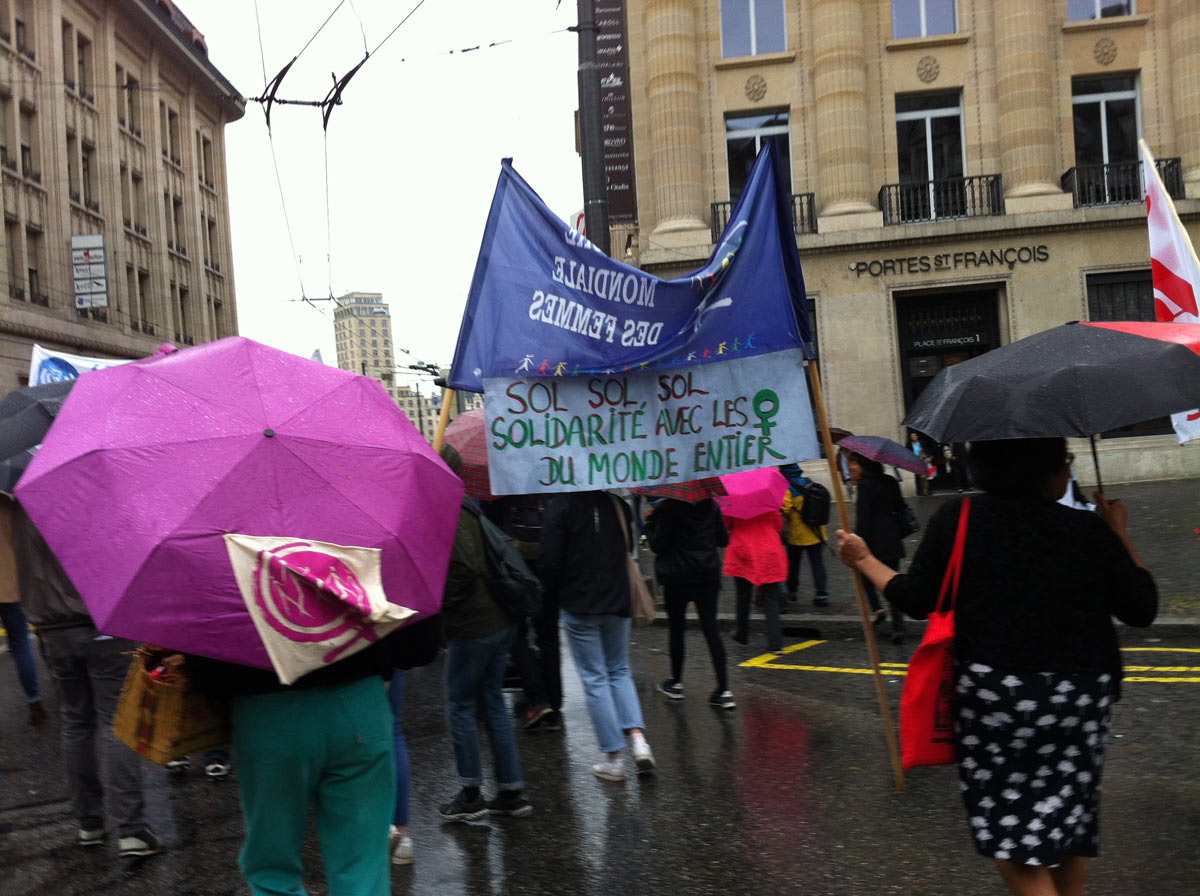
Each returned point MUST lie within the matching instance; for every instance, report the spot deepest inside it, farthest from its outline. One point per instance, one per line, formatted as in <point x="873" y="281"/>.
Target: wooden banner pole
<point x="443" y="419"/>
<point x="885" y="711"/>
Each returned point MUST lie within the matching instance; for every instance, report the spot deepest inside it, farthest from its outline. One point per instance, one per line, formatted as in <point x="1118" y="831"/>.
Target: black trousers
<point x="704" y="595"/>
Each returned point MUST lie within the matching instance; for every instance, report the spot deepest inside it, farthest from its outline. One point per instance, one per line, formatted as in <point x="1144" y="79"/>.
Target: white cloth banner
<point x="554" y="434"/>
<point x="46" y="366"/>
<point x="1175" y="271"/>
<point x="313" y="603"/>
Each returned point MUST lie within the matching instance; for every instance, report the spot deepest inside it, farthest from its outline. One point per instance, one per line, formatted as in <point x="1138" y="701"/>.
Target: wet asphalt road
<point x="792" y="792"/>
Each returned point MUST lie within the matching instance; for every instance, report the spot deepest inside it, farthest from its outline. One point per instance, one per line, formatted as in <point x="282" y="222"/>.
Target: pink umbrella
<point x="752" y="492"/>
<point x="326" y="491"/>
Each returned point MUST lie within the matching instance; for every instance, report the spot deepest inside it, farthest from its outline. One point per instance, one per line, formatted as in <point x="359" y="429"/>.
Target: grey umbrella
<point x="25" y="418"/>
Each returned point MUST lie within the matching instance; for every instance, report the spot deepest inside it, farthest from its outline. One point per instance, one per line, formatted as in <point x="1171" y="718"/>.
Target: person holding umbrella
<point x="1037" y="660"/>
<point x="478" y="634"/>
<point x="876" y="520"/>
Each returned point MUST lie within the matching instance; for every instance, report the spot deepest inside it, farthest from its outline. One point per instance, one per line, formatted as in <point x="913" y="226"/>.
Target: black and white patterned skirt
<point x="1030" y="753"/>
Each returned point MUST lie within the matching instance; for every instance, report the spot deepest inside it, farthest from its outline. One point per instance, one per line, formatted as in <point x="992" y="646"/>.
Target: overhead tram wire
<point x="274" y="159"/>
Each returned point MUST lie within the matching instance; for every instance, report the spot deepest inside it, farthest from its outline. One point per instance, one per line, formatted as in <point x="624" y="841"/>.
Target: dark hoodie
<point x="685" y="538"/>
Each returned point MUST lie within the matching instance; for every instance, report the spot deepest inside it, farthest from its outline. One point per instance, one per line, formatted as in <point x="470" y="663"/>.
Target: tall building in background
<point x="963" y="173"/>
<point x="363" y="332"/>
<point x="112" y="158"/>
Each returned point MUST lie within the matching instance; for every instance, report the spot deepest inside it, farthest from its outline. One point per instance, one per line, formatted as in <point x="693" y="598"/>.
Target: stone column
<point x="1025" y="87"/>
<point x="1183" y="22"/>
<point x="673" y="92"/>
<point x="840" y="84"/>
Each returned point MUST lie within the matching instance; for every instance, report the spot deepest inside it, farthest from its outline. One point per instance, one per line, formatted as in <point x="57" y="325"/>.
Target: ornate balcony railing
<point x="975" y="196"/>
<point x="804" y="215"/>
<point x="1119" y="182"/>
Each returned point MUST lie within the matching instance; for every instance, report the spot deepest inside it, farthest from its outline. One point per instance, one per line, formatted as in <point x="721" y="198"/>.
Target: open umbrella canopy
<point x="468" y="434"/>
<point x="693" y="492"/>
<point x="752" y="492"/>
<point x="151" y="465"/>
<point x="25" y="417"/>
<point x="1075" y="380"/>
<point x="884" y="451"/>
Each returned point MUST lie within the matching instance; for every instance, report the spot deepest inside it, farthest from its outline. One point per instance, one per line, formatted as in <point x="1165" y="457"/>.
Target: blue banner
<point x="545" y="302"/>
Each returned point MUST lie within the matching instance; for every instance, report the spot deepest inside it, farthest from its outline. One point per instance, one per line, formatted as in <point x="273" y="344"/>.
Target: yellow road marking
<point x="1163" y="649"/>
<point x="771" y="661"/>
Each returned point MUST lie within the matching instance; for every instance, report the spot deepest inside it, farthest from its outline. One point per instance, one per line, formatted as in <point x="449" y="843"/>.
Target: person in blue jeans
<point x="16" y="626"/>
<point x="583" y="550"/>
<point x="399" y="843"/>
<point x="12" y="618"/>
<point x="478" y="634"/>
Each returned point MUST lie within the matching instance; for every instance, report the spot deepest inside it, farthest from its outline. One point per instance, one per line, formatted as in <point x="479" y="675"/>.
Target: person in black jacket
<point x="685" y="538"/>
<point x="877" y="521"/>
<point x="583" y="569"/>
<point x="1037" y="663"/>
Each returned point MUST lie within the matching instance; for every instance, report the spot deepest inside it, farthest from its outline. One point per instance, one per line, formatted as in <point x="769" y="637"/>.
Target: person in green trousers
<point x="326" y="742"/>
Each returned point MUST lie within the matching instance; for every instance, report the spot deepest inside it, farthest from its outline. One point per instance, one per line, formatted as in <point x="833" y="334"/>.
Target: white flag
<point x="313" y="603"/>
<point x="1175" y="269"/>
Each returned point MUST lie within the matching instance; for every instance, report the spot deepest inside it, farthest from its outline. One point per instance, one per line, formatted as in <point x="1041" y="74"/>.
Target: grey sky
<point x="413" y="153"/>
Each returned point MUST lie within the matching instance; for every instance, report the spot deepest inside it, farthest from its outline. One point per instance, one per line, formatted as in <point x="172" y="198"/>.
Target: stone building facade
<point x="964" y="172"/>
<point x="112" y="127"/>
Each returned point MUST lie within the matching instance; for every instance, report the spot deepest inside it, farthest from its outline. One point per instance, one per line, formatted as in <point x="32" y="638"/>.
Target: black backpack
<point x="512" y="584"/>
<point x="815" y="510"/>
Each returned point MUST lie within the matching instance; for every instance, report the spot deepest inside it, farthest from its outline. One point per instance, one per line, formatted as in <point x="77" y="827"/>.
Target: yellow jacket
<point x="797" y="531"/>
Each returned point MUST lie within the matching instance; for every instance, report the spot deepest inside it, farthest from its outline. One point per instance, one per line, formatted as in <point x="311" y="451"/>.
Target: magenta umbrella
<point x="752" y="492"/>
<point x="319" y="481"/>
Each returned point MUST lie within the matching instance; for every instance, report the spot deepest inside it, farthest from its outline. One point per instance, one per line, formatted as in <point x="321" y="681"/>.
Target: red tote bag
<point x="926" y="721"/>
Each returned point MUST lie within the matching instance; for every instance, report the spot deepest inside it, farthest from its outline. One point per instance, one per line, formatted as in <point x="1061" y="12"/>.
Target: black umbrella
<point x="25" y="417"/>
<point x="1075" y="380"/>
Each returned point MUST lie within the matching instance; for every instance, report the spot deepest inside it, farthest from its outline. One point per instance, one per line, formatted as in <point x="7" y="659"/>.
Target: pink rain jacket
<point x="755" y="552"/>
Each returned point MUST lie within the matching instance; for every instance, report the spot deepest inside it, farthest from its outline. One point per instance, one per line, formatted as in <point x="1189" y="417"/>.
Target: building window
<point x="139" y="202"/>
<point x="751" y="27"/>
<point x="744" y="135"/>
<point x="73" y="169"/>
<point x="87" y="174"/>
<point x="126" y="205"/>
<point x="68" y="54"/>
<point x="1106" y="120"/>
<point x="83" y="59"/>
<point x="923" y="18"/>
<point x="1106" y="123"/>
<point x="1128" y="295"/>
<point x="929" y="148"/>
<point x="1082" y="10"/>
<point x="131" y="104"/>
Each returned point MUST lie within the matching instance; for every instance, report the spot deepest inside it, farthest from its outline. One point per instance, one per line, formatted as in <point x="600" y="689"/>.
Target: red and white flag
<point x="1176" y="272"/>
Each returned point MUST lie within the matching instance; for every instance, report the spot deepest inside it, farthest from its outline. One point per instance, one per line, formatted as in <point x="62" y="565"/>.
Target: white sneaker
<point x="92" y="836"/>
<point x="401" y="847"/>
<point x="609" y="771"/>
<point x="642" y="757"/>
